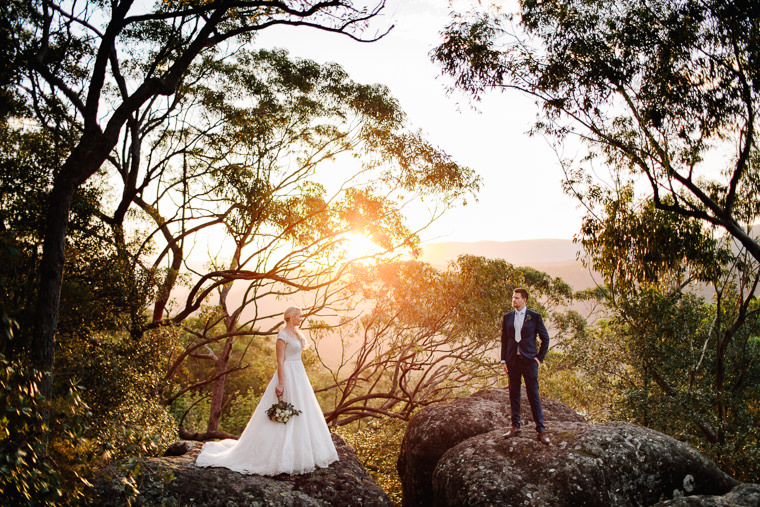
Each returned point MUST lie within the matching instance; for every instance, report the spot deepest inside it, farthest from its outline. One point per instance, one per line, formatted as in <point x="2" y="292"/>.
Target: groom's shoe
<point x="512" y="432"/>
<point x="541" y="437"/>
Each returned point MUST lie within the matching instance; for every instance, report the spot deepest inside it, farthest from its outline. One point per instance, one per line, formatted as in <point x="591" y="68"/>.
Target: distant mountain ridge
<point x="521" y="252"/>
<point x="558" y="257"/>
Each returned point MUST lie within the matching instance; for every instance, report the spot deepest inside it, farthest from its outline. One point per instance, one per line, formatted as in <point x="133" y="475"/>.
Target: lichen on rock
<point x="456" y="454"/>
<point x="175" y="480"/>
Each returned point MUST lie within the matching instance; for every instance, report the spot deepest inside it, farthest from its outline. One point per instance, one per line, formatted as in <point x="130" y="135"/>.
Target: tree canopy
<point x="426" y="335"/>
<point x="88" y="71"/>
<point x="246" y="161"/>
<point x="664" y="93"/>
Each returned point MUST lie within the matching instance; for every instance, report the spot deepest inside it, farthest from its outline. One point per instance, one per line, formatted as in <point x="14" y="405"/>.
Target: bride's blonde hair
<point x="289" y="313"/>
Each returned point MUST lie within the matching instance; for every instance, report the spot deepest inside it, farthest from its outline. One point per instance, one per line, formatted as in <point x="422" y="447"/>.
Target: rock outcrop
<point x="175" y="480"/>
<point x="456" y="454"/>
<point x="438" y="428"/>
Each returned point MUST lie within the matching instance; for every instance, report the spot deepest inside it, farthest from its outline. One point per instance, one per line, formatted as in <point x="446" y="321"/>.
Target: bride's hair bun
<point x="289" y="312"/>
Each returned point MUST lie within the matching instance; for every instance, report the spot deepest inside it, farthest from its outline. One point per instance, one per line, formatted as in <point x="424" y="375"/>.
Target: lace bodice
<point x="293" y="345"/>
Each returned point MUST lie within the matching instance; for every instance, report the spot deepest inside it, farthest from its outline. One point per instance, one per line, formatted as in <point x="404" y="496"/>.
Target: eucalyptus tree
<point x="426" y="335"/>
<point x="283" y="160"/>
<point x="680" y="336"/>
<point x="73" y="54"/>
<point x="664" y="93"/>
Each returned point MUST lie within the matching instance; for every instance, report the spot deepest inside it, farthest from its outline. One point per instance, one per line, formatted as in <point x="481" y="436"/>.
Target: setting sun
<point x="357" y="246"/>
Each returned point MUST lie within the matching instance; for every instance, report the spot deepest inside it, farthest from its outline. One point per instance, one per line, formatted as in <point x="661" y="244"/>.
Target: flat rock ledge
<point x="175" y="480"/>
<point x="456" y="454"/>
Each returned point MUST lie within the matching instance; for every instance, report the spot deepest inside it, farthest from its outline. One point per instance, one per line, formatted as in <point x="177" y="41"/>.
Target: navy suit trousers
<point x="527" y="369"/>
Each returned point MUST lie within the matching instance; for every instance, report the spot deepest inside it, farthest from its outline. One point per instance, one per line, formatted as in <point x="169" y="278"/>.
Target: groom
<point x="521" y="359"/>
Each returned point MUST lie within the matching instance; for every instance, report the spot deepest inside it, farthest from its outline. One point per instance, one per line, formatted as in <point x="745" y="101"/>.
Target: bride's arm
<point x="280" y="368"/>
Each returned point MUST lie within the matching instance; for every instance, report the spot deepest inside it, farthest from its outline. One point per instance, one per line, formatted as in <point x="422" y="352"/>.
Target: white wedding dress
<point x="270" y="448"/>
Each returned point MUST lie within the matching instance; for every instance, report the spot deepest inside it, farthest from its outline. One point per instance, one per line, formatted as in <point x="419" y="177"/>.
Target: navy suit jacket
<point x="533" y="327"/>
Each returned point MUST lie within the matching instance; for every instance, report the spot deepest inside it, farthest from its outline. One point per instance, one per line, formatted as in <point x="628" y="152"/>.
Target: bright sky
<point x="521" y="196"/>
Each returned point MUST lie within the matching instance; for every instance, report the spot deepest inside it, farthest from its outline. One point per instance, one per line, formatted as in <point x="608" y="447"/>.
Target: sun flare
<point x="358" y="246"/>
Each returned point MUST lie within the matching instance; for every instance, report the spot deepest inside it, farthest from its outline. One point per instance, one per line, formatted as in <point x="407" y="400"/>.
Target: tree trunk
<point x="51" y="279"/>
<point x="720" y="402"/>
<point x="83" y="162"/>
<point x="217" y="398"/>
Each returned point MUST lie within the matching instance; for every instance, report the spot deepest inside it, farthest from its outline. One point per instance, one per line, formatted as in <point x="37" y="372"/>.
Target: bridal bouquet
<point x="282" y="411"/>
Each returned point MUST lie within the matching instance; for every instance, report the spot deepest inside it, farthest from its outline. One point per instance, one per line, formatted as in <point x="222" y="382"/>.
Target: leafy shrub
<point x="739" y="457"/>
<point x="31" y="472"/>
<point x="141" y="427"/>
<point x="378" y="444"/>
<point x="191" y="410"/>
<point x="239" y="413"/>
<point x="121" y="381"/>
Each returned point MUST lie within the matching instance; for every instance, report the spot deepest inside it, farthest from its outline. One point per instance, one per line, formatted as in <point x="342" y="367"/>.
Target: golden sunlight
<point x="359" y="246"/>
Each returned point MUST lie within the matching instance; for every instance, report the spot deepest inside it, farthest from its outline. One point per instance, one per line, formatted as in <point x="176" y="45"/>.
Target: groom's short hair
<point x="523" y="293"/>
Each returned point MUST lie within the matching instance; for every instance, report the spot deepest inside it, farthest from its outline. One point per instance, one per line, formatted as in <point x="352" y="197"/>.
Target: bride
<point x="270" y="448"/>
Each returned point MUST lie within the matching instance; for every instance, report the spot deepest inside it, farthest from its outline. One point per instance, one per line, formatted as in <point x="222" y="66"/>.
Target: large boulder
<point x="175" y="480"/>
<point x="617" y="464"/>
<point x="456" y="454"/>
<point x="437" y="428"/>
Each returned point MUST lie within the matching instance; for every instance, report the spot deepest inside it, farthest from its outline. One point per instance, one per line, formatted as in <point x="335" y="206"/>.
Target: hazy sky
<point x="521" y="196"/>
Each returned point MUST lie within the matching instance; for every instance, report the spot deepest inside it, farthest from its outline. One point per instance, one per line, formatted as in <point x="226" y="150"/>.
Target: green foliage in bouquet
<point x="282" y="411"/>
